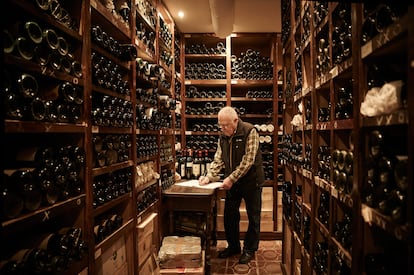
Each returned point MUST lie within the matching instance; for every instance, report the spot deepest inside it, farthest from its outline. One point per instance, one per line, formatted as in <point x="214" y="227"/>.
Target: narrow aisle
<point x="267" y="260"/>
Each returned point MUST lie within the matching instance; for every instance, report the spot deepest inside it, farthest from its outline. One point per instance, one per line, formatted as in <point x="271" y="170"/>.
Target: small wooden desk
<point x="184" y="198"/>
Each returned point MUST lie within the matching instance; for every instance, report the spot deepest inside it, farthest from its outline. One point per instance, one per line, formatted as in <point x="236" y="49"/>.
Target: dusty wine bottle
<point x="28" y="188"/>
<point x="12" y="202"/>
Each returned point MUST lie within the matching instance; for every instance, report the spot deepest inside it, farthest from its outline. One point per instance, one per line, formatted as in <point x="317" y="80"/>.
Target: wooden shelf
<point x="370" y="230"/>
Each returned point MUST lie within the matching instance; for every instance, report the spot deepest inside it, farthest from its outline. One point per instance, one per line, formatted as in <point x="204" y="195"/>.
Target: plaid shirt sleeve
<point x="252" y="145"/>
<point x="216" y="165"/>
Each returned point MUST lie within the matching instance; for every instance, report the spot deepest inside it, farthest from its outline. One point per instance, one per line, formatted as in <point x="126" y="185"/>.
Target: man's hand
<point x="203" y="180"/>
<point x="227" y="184"/>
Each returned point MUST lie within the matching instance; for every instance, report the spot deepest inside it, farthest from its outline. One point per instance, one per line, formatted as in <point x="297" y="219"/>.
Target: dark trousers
<point x="253" y="202"/>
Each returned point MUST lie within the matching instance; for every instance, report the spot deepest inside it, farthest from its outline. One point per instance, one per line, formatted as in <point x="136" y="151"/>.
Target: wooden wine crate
<point x="266" y="222"/>
<point x="113" y="260"/>
<point x="150" y="266"/>
<point x="145" y="231"/>
<point x="267" y="201"/>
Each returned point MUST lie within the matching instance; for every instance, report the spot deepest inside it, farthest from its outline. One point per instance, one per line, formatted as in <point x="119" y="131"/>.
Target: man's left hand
<point x="227" y="184"/>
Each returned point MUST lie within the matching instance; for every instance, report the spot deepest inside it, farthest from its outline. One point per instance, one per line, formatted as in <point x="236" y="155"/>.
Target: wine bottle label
<point x="196" y="170"/>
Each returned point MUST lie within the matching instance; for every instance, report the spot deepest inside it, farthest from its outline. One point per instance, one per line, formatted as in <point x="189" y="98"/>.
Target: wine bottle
<point x="25" y="47"/>
<point x="401" y="172"/>
<point x="31" y="260"/>
<point x="27" y="86"/>
<point x="189" y="164"/>
<point x="49" y="188"/>
<point x="11" y="267"/>
<point x="196" y="165"/>
<point x="8" y="42"/>
<point x="12" y="202"/>
<point x="376" y="143"/>
<point x="77" y="247"/>
<point x="29" y="189"/>
<point x="207" y="161"/>
<point x="181" y="164"/>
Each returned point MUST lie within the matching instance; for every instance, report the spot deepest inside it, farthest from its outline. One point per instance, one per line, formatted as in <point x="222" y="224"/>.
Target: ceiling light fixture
<point x="222" y="17"/>
<point x="181" y="14"/>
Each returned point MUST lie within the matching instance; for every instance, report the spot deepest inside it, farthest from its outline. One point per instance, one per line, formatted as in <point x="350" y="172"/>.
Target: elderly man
<point x="238" y="155"/>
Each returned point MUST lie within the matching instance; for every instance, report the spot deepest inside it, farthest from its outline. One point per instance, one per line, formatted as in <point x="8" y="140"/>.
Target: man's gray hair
<point x="228" y="111"/>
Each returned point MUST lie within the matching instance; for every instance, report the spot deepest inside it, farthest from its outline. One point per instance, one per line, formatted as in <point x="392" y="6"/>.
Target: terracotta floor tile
<point x="266" y="262"/>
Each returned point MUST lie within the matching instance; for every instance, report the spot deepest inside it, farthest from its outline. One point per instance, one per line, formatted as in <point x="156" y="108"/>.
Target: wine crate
<point x="145" y="238"/>
<point x="113" y="260"/>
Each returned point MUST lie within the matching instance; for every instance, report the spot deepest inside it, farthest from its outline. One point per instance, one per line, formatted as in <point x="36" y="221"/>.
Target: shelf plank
<point x="386" y="36"/>
<point x="373" y="217"/>
<point x="43" y="214"/>
<point x="111" y="239"/>
<point x="30" y="66"/>
<point x="343" y="124"/>
<point x="28" y="7"/>
<point x="104" y="12"/>
<point x="251" y="82"/>
<point x="206" y="99"/>
<point x="16" y="126"/>
<point x="110" y="204"/>
<point x="251" y="99"/>
<point x="346" y="199"/>
<point x="398" y="117"/>
<point x="202" y="56"/>
<point x="322" y="126"/>
<point x="205" y="82"/>
<point x="110" y="168"/>
<point x="343" y="253"/>
<point x="110" y="130"/>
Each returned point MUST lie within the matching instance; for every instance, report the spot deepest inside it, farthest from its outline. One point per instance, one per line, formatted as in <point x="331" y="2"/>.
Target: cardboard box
<point x="176" y="252"/>
<point x="186" y="270"/>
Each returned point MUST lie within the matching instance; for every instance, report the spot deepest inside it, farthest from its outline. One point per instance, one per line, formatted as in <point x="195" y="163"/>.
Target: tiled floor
<point x="267" y="260"/>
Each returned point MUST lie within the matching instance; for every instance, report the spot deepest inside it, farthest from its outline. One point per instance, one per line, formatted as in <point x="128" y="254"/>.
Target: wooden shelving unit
<point x="109" y="186"/>
<point x="205" y="91"/>
<point x="331" y="224"/>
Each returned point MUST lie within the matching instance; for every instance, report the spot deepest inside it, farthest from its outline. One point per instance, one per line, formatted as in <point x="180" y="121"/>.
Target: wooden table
<point x="184" y="198"/>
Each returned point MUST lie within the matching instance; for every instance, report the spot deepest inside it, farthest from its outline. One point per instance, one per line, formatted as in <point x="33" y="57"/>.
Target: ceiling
<point x="250" y="16"/>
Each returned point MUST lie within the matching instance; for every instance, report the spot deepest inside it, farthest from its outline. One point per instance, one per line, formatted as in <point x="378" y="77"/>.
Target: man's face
<point x="227" y="125"/>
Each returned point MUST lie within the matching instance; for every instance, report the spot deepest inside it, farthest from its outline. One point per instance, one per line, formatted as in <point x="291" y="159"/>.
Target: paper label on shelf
<point x="334" y="193"/>
<point x="366" y="49"/>
<point x="366" y="213"/>
<point x="334" y="71"/>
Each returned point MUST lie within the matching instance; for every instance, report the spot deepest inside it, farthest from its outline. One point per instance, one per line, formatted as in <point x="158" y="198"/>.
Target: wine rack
<point x="89" y="121"/>
<point x="242" y="71"/>
<point x="334" y="151"/>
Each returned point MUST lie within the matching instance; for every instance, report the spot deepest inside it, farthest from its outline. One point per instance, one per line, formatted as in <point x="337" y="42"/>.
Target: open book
<point x="194" y="183"/>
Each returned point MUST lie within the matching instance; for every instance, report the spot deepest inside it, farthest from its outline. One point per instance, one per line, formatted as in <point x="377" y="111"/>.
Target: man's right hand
<point x="203" y="180"/>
